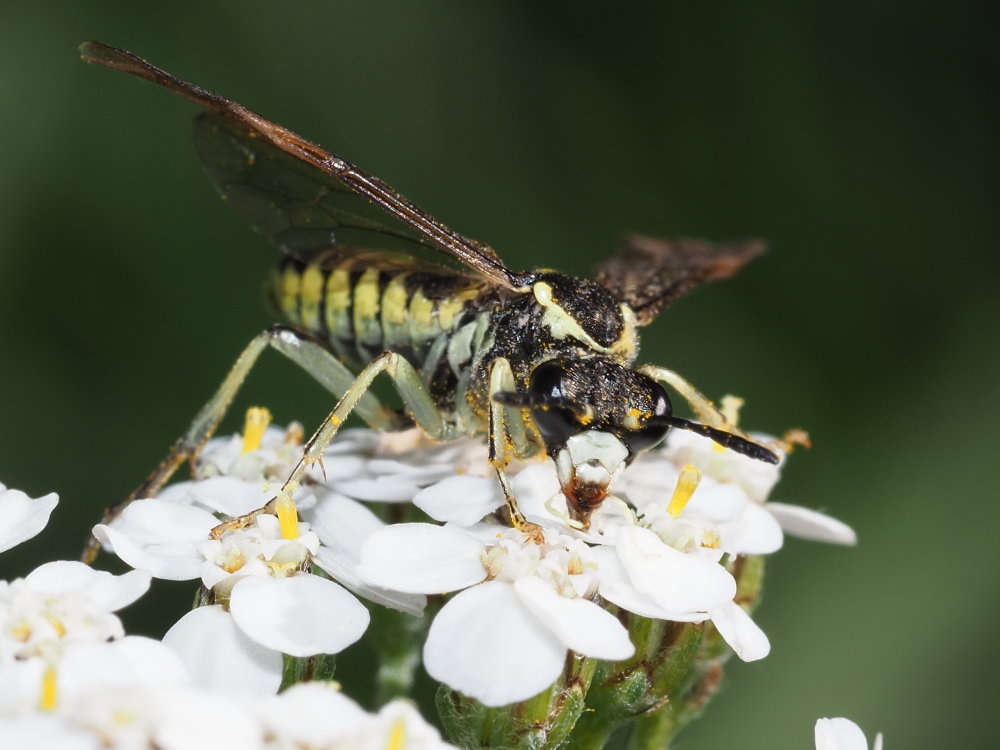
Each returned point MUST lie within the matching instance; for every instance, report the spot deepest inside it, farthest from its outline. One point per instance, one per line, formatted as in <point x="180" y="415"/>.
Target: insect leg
<point x="416" y="398"/>
<point x="507" y="437"/>
<point x="703" y="407"/>
<point x="306" y="352"/>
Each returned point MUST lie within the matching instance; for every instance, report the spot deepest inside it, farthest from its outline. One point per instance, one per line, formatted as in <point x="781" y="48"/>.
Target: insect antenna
<point x="725" y="439"/>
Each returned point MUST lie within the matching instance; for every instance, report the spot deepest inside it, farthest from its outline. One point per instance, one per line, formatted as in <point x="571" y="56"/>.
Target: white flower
<point x="757" y="479"/>
<point x="644" y="575"/>
<point x="233" y="478"/>
<point x="538" y="597"/>
<point x="168" y="717"/>
<point x="842" y="734"/>
<point x="58" y="678"/>
<point x="318" y="715"/>
<point x="60" y="603"/>
<point x="260" y="574"/>
<point x="22" y="517"/>
<point x="140" y="715"/>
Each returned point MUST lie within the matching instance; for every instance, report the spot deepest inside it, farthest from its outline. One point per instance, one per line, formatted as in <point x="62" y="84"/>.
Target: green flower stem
<point x="656" y="729"/>
<point x="306" y="669"/>
<point x="540" y="723"/>
<point x="397" y="639"/>
<point x="641" y="686"/>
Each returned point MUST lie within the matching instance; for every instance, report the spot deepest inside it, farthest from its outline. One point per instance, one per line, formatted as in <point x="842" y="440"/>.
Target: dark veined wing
<point x="306" y="199"/>
<point x="300" y="208"/>
<point x="648" y="273"/>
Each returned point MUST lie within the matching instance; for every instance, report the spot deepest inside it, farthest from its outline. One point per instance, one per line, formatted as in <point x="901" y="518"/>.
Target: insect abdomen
<point x="363" y="310"/>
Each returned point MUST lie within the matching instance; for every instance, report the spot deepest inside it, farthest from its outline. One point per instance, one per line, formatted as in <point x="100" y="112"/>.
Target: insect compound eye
<point x="553" y="410"/>
<point x="653" y="427"/>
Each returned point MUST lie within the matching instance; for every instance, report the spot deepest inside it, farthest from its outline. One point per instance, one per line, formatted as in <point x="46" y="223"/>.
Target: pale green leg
<point x="704" y="408"/>
<point x="416" y="398"/>
<point x="298" y="347"/>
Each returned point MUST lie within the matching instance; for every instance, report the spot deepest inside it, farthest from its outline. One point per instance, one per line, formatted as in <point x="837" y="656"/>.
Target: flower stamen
<point x="256" y="421"/>
<point x="50" y="694"/>
<point x="288" y="516"/>
<point x="397" y="735"/>
<point x="687" y="483"/>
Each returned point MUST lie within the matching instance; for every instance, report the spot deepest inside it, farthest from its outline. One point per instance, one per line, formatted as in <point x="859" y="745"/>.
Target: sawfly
<point x="541" y="362"/>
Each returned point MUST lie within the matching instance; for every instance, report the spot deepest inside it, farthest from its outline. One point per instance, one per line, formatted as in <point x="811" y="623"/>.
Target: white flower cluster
<point x="658" y="549"/>
<point x="71" y="679"/>
<point x="307" y="716"/>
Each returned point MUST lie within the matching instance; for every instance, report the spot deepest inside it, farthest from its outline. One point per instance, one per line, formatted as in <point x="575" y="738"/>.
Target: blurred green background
<point x="860" y="140"/>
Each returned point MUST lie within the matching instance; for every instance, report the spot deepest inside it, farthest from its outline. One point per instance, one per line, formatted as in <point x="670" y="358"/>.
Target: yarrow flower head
<point x="313" y="715"/>
<point x="258" y="569"/>
<point x="59" y="636"/>
<point x="538" y="596"/>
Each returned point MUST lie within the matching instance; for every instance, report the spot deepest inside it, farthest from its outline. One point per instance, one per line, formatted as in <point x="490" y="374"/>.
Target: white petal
<point x="218" y="654"/>
<point x="230" y="496"/>
<point x="21" y="517"/>
<point x="155" y="663"/>
<point x="344" y="569"/>
<point x="757" y="532"/>
<point x="107" y="591"/>
<point x="811" y="524"/>
<point x="204" y="720"/>
<point x="739" y="630"/>
<point x="301" y="616"/>
<point x="398" y="488"/>
<point x="617" y="588"/>
<point x="159" y="537"/>
<point x="677" y="581"/>
<point x="313" y="715"/>
<point x="88" y="667"/>
<point x="421" y="558"/>
<point x="40" y="730"/>
<point x="579" y="623"/>
<point x="487" y="645"/>
<point x="839" y="734"/>
<point x="342" y="523"/>
<point x="461" y="499"/>
<point x="404" y="715"/>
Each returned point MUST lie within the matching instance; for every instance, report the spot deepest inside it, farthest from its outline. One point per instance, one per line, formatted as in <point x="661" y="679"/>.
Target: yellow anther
<point x="730" y="407"/>
<point x="687" y="483"/>
<point x="283" y="569"/>
<point x="397" y="735"/>
<point x="233" y="561"/>
<point x="50" y="694"/>
<point x="57" y="625"/>
<point x="256" y="421"/>
<point x="21" y="631"/>
<point x="711" y="539"/>
<point x="294" y="434"/>
<point x="288" y="516"/>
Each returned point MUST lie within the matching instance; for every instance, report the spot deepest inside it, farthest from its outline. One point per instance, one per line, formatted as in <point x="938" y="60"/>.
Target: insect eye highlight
<point x="647" y="429"/>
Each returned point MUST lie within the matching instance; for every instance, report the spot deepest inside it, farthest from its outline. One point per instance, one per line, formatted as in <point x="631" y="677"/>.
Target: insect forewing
<point x="324" y="187"/>
<point x="648" y="274"/>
